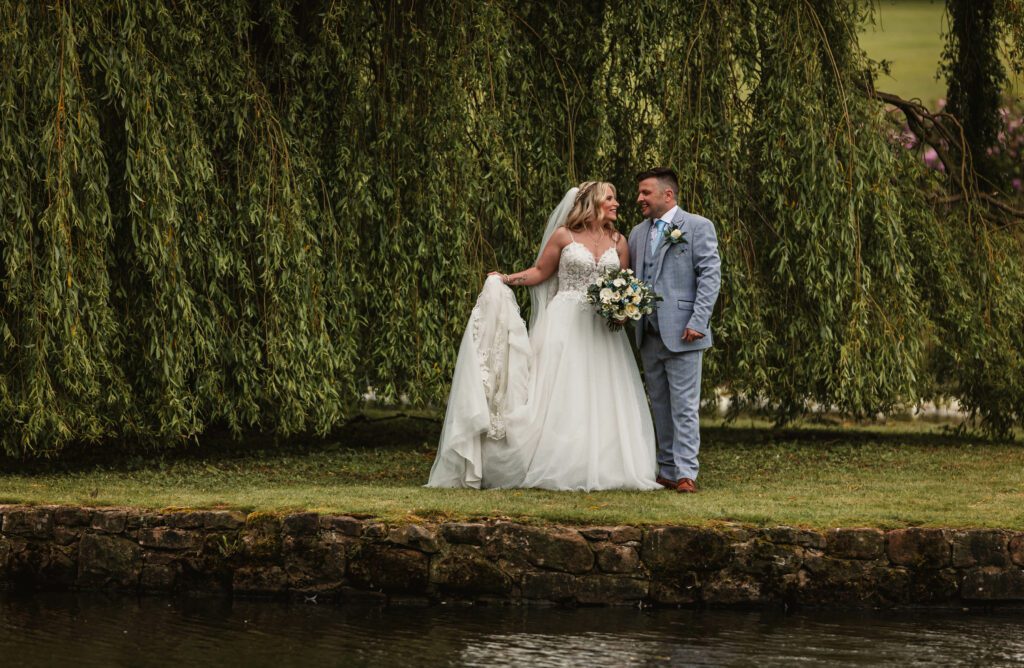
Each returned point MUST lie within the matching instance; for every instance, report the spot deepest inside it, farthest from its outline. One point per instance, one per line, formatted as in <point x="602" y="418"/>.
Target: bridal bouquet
<point x="620" y="296"/>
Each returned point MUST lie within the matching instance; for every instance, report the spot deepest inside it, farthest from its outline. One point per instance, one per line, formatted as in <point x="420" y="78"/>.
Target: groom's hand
<point x="691" y="335"/>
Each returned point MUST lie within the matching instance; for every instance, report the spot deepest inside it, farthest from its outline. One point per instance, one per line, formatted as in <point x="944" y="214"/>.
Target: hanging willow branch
<point x="943" y="133"/>
<point x="252" y="214"/>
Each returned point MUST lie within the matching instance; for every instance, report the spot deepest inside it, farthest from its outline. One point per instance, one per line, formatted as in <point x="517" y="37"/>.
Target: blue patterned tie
<point x="660" y="224"/>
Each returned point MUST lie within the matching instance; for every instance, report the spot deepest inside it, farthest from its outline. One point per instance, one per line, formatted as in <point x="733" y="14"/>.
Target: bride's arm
<point x="622" y="246"/>
<point x="546" y="265"/>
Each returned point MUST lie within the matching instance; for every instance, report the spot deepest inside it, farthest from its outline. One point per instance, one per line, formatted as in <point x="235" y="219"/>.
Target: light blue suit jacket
<point x="687" y="276"/>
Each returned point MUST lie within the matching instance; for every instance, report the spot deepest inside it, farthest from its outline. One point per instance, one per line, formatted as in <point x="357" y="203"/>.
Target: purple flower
<point x="931" y="158"/>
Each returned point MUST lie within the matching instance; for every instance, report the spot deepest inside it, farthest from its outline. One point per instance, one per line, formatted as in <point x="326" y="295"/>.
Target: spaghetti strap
<point x="571" y="237"/>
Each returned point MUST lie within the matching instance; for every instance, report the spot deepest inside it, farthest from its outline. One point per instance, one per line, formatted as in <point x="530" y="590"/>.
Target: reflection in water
<point x="95" y="630"/>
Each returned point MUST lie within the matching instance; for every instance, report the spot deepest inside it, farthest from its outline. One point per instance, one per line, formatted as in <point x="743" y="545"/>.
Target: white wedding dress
<point x="563" y="410"/>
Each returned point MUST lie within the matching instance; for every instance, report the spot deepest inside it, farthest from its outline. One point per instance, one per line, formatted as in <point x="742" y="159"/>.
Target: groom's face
<point x="654" y="198"/>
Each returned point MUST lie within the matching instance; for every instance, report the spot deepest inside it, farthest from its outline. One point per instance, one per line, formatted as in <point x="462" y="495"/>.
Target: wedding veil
<point x="542" y="293"/>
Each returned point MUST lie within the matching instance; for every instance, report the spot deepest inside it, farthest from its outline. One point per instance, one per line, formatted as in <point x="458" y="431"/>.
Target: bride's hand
<point x="503" y="277"/>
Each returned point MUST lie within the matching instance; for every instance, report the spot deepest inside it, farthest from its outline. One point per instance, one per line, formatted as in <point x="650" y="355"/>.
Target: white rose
<point x="618" y="282"/>
<point x="675" y="234"/>
<point x="606" y="294"/>
<point x="617" y="296"/>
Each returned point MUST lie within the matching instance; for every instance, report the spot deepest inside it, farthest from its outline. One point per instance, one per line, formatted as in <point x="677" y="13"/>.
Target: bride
<point x="562" y="408"/>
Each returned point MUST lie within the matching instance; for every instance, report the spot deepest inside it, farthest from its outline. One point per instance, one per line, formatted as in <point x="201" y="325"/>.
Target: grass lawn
<point x="813" y="476"/>
<point x="908" y="34"/>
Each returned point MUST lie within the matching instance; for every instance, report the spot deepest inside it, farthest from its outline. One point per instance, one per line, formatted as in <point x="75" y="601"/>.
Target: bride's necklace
<point x="595" y="238"/>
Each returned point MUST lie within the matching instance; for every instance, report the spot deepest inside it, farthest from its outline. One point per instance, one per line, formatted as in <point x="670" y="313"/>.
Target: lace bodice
<point x="577" y="269"/>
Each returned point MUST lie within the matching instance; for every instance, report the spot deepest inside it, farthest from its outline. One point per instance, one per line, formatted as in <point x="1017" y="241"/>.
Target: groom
<point x="677" y="253"/>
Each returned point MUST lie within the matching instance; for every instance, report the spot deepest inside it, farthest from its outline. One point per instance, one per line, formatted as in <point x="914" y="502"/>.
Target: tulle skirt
<point x="586" y="424"/>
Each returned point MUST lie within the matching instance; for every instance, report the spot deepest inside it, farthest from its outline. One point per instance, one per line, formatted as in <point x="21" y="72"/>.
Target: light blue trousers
<point x="673" y="384"/>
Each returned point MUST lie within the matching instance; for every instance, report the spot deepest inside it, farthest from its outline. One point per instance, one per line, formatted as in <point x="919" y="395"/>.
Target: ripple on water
<point x="97" y="630"/>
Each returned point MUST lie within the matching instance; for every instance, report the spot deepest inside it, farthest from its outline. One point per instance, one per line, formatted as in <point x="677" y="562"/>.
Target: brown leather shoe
<point x="665" y="482"/>
<point x="686" y="486"/>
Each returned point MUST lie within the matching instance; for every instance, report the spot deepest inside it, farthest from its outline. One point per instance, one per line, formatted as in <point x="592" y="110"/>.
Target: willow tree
<point x="246" y="213"/>
<point x="975" y="79"/>
<point x="968" y="247"/>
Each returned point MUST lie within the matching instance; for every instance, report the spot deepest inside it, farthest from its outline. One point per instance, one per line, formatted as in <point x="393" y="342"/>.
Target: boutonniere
<point x="674" y="235"/>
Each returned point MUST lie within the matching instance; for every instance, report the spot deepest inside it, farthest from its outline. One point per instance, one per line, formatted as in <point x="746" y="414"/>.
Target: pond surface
<point x="95" y="630"/>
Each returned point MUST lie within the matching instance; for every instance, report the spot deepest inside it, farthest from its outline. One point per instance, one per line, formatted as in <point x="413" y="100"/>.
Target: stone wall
<point x="346" y="558"/>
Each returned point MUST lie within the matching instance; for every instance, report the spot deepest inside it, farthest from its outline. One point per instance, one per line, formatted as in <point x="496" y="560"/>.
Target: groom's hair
<point x="665" y="175"/>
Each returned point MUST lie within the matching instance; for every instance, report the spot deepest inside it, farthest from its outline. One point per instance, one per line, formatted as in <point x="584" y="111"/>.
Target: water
<point x="95" y="630"/>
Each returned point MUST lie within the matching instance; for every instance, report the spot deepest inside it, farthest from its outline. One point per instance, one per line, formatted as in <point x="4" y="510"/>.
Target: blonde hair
<point x="587" y="206"/>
